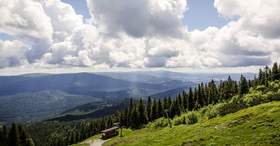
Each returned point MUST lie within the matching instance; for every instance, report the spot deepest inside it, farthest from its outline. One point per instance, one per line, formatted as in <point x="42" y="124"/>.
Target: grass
<point x="259" y="125"/>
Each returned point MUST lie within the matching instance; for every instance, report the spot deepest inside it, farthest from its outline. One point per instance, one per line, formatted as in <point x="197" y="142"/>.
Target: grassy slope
<point x="259" y="125"/>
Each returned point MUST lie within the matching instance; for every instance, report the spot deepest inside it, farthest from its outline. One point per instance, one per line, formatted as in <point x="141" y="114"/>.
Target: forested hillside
<point x="16" y="135"/>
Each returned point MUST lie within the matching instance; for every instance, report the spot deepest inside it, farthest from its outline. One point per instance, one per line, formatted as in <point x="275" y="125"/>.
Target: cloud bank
<point x="137" y="34"/>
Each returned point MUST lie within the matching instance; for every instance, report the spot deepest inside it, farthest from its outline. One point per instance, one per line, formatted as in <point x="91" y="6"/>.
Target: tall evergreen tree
<point x="213" y="96"/>
<point x="134" y="118"/>
<point x="154" y="110"/>
<point x="165" y="103"/>
<point x="179" y="100"/>
<point x="160" y="109"/>
<point x="3" y="135"/>
<point x="174" y="109"/>
<point x="275" y="72"/>
<point x="191" y="100"/>
<point x="185" y="100"/>
<point x="243" y="87"/>
<point x="130" y="109"/>
<point x="22" y="136"/>
<point x="14" y="136"/>
<point x="199" y="97"/>
<point x="260" y="77"/>
<point x="142" y="114"/>
<point x="149" y="108"/>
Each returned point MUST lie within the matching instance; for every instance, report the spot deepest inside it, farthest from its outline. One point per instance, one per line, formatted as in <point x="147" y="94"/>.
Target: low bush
<point x="179" y="120"/>
<point x="261" y="88"/>
<point x="211" y="112"/>
<point x="254" y="98"/>
<point x="159" y="123"/>
<point x="191" y="118"/>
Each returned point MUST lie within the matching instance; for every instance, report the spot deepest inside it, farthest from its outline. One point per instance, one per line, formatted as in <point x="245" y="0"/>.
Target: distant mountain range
<point x="39" y="96"/>
<point x="84" y="84"/>
<point x="33" y="106"/>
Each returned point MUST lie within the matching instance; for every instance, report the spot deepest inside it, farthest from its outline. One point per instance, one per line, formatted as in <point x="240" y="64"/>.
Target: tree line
<point x="140" y="112"/>
<point x="51" y="133"/>
<point x="15" y="136"/>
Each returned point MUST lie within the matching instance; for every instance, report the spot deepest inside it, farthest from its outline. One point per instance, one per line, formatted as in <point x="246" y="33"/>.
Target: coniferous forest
<point x="228" y="94"/>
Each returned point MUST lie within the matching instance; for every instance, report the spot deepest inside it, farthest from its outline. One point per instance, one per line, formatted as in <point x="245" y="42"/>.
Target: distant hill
<point x="93" y="110"/>
<point x="101" y="111"/>
<point x="32" y="106"/>
<point x="37" y="96"/>
<point x="83" y="84"/>
<point x="170" y="93"/>
<point x="163" y="76"/>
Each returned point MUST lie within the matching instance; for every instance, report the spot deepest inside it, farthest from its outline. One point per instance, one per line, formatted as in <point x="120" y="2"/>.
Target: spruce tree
<point x="179" y="100"/>
<point x="185" y="100"/>
<point x="275" y="72"/>
<point x="130" y="108"/>
<point x="22" y="136"/>
<point x="14" y="136"/>
<point x="191" y="101"/>
<point x="199" y="96"/>
<point x="134" y="118"/>
<point x="243" y="87"/>
<point x="149" y="109"/>
<point x="154" y="110"/>
<point x="169" y="102"/>
<point x="260" y="77"/>
<point x="174" y="109"/>
<point x="202" y="95"/>
<point x="165" y="104"/>
<point x="142" y="113"/>
<point x="4" y="135"/>
<point x="160" y="109"/>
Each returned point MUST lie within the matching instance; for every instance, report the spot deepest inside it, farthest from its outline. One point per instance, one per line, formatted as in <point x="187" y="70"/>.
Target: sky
<point x="95" y="35"/>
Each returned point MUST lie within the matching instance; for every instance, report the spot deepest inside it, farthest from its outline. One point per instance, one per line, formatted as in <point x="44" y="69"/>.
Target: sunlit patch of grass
<point x="259" y="125"/>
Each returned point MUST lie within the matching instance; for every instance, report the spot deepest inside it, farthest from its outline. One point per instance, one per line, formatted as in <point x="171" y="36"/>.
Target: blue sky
<point x="80" y="7"/>
<point x="202" y="14"/>
<point x="4" y="36"/>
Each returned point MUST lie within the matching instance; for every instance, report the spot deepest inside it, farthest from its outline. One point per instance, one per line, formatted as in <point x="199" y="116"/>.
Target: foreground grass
<point x="259" y="125"/>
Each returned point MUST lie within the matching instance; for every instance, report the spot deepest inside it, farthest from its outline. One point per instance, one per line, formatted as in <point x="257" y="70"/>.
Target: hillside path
<point x="97" y="142"/>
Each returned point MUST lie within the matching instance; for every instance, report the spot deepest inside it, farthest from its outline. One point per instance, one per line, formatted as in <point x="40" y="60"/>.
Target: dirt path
<point x="97" y="142"/>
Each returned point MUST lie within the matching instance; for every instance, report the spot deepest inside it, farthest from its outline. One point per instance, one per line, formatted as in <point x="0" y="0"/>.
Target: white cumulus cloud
<point x="137" y="34"/>
<point x="139" y="18"/>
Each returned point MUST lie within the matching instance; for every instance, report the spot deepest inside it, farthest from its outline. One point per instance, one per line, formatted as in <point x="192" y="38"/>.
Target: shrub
<point x="261" y="88"/>
<point x="191" y="118"/>
<point x="204" y="110"/>
<point x="274" y="86"/>
<point x="180" y="120"/>
<point x="270" y="96"/>
<point x="159" y="123"/>
<point x="212" y="113"/>
<point x="228" y="107"/>
<point x="253" y="99"/>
